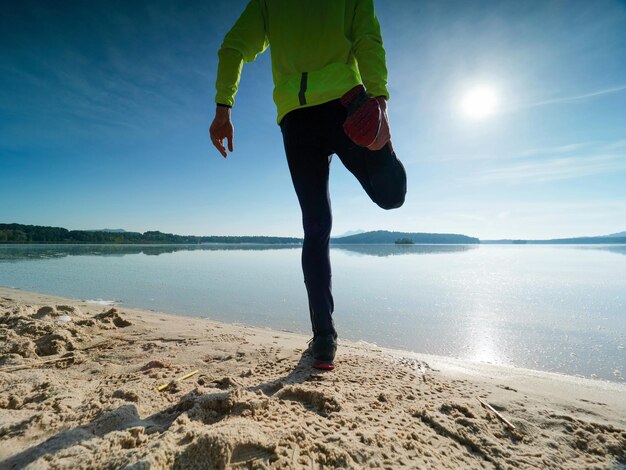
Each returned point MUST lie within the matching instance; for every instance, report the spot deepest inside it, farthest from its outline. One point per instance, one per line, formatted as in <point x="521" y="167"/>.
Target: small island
<point x="404" y="241"/>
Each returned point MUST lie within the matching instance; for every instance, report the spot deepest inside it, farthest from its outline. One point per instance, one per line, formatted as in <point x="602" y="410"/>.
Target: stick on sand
<point x="164" y="386"/>
<point x="37" y="363"/>
<point x="502" y="418"/>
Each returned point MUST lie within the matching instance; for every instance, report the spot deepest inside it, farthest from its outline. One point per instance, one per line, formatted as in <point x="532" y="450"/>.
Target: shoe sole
<point x="321" y="365"/>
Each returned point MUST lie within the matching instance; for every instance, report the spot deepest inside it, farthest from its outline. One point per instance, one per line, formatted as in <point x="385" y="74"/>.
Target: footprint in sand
<point x="320" y="402"/>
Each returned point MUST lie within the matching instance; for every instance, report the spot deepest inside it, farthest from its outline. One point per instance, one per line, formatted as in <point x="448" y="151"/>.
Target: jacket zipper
<point x="301" y="95"/>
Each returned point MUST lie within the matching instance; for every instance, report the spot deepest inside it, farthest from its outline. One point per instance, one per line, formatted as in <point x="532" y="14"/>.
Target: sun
<point x="480" y="102"/>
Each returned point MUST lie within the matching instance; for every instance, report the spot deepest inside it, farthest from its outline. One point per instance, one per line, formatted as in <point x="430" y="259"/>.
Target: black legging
<point x="311" y="136"/>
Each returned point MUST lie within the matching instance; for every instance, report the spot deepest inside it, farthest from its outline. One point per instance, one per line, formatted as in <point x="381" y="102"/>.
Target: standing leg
<point x="309" y="165"/>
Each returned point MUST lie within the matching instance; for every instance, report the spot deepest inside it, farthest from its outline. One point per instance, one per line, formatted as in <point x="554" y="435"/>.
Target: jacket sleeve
<point x="246" y="39"/>
<point x="367" y="44"/>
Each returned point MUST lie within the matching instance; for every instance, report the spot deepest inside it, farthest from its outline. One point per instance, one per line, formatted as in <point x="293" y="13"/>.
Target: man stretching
<point x="330" y="76"/>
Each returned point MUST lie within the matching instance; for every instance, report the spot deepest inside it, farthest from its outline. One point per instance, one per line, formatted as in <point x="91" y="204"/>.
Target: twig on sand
<point x="67" y="357"/>
<point x="492" y="409"/>
<point x="160" y="388"/>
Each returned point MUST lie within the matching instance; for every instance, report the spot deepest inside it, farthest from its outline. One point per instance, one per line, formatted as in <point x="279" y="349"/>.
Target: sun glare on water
<point x="479" y="102"/>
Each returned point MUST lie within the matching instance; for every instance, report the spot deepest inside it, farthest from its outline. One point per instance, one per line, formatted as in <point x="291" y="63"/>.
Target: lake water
<point x="548" y="307"/>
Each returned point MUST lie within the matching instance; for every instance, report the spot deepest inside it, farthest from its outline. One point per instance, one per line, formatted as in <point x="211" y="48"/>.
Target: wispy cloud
<point x="569" y="99"/>
<point x="512" y="107"/>
<point x="618" y="144"/>
<point x="573" y="149"/>
<point x="552" y="150"/>
<point x="554" y="169"/>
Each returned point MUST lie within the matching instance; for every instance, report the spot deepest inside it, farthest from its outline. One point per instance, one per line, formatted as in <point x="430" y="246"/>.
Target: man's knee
<point x="390" y="186"/>
<point x="391" y="196"/>
<point x="391" y="201"/>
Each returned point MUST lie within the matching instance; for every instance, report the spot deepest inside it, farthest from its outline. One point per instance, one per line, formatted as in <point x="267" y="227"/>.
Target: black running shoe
<point x="323" y="349"/>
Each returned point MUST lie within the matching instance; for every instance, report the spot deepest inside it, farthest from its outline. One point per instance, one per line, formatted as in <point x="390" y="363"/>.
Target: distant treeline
<point x="17" y="233"/>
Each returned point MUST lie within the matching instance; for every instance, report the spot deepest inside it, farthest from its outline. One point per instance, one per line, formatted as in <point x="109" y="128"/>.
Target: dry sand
<point x="256" y="402"/>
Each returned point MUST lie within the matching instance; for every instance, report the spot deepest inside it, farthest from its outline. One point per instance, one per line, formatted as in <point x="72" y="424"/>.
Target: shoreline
<point x="457" y="361"/>
<point x="255" y="399"/>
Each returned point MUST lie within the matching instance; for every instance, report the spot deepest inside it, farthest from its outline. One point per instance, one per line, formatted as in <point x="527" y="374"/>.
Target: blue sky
<point x="105" y="106"/>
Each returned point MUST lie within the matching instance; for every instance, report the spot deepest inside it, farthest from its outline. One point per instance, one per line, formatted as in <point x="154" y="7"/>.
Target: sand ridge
<point x="257" y="403"/>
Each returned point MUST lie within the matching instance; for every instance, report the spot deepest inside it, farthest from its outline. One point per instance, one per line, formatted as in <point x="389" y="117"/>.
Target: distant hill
<point x="620" y="234"/>
<point x="383" y="236"/>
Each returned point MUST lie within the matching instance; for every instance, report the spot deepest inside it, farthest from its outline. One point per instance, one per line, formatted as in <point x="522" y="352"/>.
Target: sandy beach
<point x="79" y="388"/>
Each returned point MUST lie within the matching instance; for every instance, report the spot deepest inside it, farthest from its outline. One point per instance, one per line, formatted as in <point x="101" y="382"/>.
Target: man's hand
<point x="384" y="135"/>
<point x="222" y="128"/>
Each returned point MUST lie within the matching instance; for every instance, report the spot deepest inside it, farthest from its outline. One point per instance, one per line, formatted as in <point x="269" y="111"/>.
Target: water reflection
<point x="49" y="251"/>
<point x="483" y="343"/>
<point x="25" y="252"/>
<point x="618" y="249"/>
<point x="394" y="250"/>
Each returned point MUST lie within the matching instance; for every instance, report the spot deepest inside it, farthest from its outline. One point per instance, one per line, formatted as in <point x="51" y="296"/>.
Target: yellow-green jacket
<point x="320" y="49"/>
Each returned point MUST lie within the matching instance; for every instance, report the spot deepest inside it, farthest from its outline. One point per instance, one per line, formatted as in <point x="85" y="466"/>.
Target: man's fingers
<point x="220" y="130"/>
<point x="221" y="148"/>
<point x="217" y="143"/>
